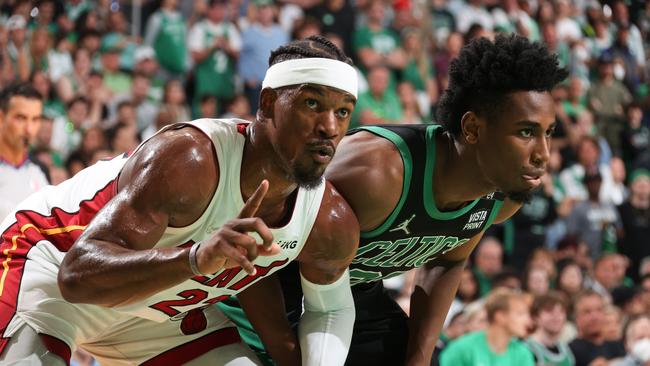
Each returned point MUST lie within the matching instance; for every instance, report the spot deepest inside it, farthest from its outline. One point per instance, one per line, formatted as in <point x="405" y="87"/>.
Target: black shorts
<point x="380" y="329"/>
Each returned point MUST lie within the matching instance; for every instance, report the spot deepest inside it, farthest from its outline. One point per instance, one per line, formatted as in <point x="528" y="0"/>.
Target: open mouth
<point x="322" y="153"/>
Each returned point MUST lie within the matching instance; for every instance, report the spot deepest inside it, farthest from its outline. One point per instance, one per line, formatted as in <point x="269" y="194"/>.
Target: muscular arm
<point x="325" y="329"/>
<point x="264" y="306"/>
<point x="368" y="171"/>
<point x="114" y="262"/>
<point x="435" y="288"/>
<point x="114" y="256"/>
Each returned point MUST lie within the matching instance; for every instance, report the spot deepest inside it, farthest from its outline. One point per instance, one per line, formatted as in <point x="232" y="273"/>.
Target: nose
<point x="327" y="126"/>
<point x="542" y="152"/>
<point x="32" y="127"/>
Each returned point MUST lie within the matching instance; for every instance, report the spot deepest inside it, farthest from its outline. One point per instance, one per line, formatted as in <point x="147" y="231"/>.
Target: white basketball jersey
<point x="59" y="214"/>
<point x="17" y="183"/>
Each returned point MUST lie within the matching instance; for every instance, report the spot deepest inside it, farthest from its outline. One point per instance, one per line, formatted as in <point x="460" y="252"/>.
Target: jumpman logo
<point x="404" y="226"/>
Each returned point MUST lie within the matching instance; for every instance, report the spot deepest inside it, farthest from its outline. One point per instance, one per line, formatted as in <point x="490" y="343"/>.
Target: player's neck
<point x="259" y="162"/>
<point x="12" y="156"/>
<point x="497" y="338"/>
<point x="456" y="177"/>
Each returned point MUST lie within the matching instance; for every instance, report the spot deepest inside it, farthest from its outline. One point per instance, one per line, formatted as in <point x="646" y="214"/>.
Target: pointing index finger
<point x="253" y="203"/>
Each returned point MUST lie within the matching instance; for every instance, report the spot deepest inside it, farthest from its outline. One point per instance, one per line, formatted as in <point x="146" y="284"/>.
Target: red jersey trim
<point x="241" y="128"/>
<point x="193" y="349"/>
<point x="60" y="228"/>
<point x="57" y="346"/>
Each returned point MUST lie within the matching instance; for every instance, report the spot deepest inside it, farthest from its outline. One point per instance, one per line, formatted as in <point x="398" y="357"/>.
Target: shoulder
<point x="578" y="344"/>
<point x="156" y="17"/>
<point x="522" y="349"/>
<point x="368" y="171"/>
<point x="508" y="208"/>
<point x="474" y="337"/>
<point x="198" y="27"/>
<point x="177" y="169"/>
<point x="40" y="170"/>
<point x="335" y="234"/>
<point x="465" y="342"/>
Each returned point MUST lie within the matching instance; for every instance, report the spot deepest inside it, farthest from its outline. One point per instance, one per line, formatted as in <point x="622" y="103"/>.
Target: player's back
<point x="60" y="213"/>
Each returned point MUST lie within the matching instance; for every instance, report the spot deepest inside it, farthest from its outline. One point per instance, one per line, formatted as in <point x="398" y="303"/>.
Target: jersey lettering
<point x="399" y="256"/>
<point x="189" y="297"/>
<point x="222" y="279"/>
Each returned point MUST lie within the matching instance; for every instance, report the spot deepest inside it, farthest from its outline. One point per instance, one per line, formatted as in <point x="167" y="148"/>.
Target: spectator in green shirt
<point x="376" y="45"/>
<point x="380" y="103"/>
<point x="508" y="319"/>
<point x="550" y="314"/>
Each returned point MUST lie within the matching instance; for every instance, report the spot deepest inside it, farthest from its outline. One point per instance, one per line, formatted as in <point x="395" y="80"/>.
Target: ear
<point x="267" y="103"/>
<point x="500" y="316"/>
<point x="470" y="127"/>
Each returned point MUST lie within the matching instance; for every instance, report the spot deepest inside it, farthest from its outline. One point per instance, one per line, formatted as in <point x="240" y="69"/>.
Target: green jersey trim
<point x="405" y="153"/>
<point x="495" y="211"/>
<point x="429" y="199"/>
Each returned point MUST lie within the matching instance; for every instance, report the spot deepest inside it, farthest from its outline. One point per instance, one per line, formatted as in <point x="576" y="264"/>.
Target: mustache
<point x="321" y="145"/>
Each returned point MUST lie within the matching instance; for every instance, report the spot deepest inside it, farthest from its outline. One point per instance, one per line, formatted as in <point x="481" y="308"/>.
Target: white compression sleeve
<point x="325" y="329"/>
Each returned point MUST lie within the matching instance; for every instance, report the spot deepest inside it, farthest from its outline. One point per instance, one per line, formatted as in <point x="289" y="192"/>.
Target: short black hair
<point x="26" y="90"/>
<point x="313" y="46"/>
<point x="485" y="73"/>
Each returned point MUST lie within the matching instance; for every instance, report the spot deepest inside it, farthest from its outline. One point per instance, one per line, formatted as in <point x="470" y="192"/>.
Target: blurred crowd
<point x="565" y="281"/>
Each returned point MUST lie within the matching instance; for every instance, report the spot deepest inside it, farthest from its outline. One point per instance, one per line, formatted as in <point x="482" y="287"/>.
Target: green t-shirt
<point x="53" y="108"/>
<point x="387" y="107"/>
<point x="472" y="349"/>
<point x="383" y="41"/>
<point x="563" y="356"/>
<point x="412" y="75"/>
<point x="215" y="75"/>
<point x="119" y="82"/>
<point x="574" y="110"/>
<point x="170" y="44"/>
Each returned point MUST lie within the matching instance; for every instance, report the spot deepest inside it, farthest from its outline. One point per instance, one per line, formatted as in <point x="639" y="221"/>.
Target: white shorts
<point x="113" y="338"/>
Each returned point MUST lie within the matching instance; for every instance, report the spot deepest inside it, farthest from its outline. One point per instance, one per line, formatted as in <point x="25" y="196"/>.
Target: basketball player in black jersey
<point x="425" y="194"/>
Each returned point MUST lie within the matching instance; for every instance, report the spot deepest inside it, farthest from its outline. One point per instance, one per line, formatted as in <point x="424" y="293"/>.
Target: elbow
<point x="75" y="290"/>
<point x="74" y="283"/>
<point x="71" y="286"/>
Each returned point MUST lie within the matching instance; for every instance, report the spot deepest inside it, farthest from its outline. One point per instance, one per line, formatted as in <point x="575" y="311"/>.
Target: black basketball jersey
<point x="416" y="232"/>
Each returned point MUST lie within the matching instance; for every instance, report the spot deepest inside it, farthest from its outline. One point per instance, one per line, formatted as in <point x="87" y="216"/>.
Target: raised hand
<point x="232" y="246"/>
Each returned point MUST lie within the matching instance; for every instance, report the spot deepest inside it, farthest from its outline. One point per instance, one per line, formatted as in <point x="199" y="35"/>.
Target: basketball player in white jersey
<point x="126" y="258"/>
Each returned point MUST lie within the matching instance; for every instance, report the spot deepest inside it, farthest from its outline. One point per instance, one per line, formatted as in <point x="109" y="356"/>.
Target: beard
<point x="307" y="177"/>
<point x="520" y="196"/>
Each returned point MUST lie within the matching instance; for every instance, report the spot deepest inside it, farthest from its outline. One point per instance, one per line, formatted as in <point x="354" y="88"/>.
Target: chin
<point x="307" y="178"/>
<point x="521" y="196"/>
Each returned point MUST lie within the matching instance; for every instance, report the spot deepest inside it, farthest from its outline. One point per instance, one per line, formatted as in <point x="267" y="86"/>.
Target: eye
<point x="527" y="132"/>
<point x="343" y="113"/>
<point x="311" y="103"/>
<point x="550" y="132"/>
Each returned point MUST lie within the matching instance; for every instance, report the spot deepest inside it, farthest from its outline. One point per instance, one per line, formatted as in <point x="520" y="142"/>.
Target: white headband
<point x="321" y="71"/>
